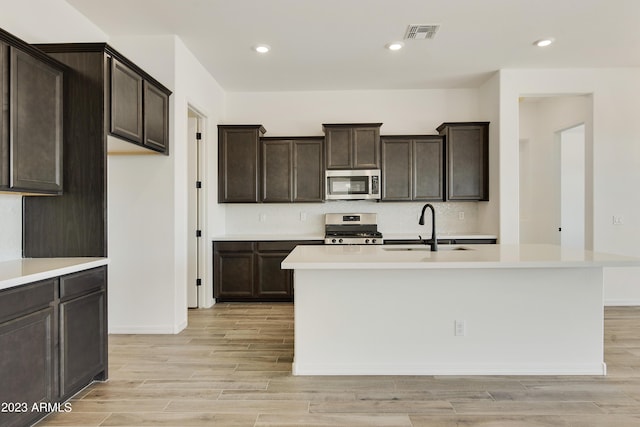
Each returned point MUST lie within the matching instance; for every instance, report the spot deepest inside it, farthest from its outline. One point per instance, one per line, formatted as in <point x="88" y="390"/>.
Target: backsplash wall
<point x="10" y="227"/>
<point x="393" y="218"/>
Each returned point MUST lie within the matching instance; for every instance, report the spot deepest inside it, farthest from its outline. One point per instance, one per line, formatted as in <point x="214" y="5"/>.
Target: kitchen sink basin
<point x="443" y="248"/>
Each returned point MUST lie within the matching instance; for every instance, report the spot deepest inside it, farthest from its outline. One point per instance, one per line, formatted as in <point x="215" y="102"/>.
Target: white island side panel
<point x="523" y="321"/>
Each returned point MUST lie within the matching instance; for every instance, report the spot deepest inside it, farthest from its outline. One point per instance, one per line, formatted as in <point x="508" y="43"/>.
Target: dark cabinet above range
<point x="352" y="146"/>
<point x="31" y="120"/>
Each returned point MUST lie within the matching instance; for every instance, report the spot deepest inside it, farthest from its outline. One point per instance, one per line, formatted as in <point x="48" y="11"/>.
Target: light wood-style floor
<point x="231" y="367"/>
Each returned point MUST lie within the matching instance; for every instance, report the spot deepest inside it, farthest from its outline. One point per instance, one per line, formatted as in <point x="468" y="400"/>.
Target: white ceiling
<point x="339" y="44"/>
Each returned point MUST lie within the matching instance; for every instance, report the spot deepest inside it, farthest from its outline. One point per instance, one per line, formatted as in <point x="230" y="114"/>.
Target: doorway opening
<point x="196" y="210"/>
<point x="555" y="180"/>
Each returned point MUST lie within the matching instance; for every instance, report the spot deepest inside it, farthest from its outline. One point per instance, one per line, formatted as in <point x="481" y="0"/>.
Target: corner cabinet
<point x="53" y="342"/>
<point x="31" y="122"/>
<point x="48" y="230"/>
<point x="292" y="169"/>
<point x="139" y="107"/>
<point x="250" y="270"/>
<point x="352" y="146"/>
<point x="467" y="153"/>
<point x="412" y="168"/>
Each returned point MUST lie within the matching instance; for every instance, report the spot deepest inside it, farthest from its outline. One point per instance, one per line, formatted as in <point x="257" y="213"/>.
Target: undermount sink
<point x="442" y="248"/>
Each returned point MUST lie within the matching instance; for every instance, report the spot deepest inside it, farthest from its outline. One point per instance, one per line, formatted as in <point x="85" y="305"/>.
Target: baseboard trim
<point x="596" y="368"/>
<point x="621" y="302"/>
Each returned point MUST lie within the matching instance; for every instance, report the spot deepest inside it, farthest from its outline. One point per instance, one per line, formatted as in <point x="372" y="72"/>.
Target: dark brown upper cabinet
<point x="239" y="163"/>
<point x="126" y="102"/>
<point x="292" y="169"/>
<point x="412" y="168"/>
<point x="31" y="123"/>
<point x="156" y="118"/>
<point x="467" y="153"/>
<point x="352" y="146"/>
<point x="139" y="107"/>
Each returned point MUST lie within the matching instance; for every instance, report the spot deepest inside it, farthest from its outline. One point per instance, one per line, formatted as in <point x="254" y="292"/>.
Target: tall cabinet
<point x="75" y="224"/>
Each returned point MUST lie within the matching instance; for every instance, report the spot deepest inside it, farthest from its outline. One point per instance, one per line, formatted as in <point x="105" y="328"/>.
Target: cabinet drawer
<point x="26" y="299"/>
<point x="233" y="246"/>
<point x="82" y="282"/>
<point x="284" y="245"/>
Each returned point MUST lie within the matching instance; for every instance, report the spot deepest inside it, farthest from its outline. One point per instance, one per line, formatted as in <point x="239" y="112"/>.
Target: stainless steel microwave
<point x="353" y="184"/>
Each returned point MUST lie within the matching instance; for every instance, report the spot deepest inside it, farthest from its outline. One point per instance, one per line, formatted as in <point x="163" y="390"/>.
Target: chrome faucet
<point x="434" y="240"/>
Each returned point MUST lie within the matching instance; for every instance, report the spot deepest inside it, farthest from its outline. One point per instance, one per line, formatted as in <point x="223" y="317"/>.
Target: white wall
<point x="31" y="20"/>
<point x="303" y="113"/>
<point x="148" y="198"/>
<point x="489" y="212"/>
<point x="10" y="227"/>
<point x="616" y="157"/>
<point x="196" y="89"/>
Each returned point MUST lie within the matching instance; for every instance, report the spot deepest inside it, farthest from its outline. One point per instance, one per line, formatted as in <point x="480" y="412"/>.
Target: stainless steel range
<point x="352" y="229"/>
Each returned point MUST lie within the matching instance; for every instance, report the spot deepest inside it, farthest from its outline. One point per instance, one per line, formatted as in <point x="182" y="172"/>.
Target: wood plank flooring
<point x="231" y="367"/>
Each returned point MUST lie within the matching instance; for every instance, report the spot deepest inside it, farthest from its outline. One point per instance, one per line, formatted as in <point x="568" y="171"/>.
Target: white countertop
<point x="268" y="237"/>
<point x="427" y="235"/>
<point x="475" y="256"/>
<point x="320" y="236"/>
<point x="28" y="270"/>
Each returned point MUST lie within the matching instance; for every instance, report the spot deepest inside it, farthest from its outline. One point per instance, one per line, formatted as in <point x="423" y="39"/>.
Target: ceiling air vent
<point x="422" y="31"/>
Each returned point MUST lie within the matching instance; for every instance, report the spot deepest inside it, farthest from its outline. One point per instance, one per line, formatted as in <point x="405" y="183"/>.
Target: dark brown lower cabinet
<point x="250" y="271"/>
<point x="233" y="264"/>
<point x="27" y="367"/>
<point x="82" y="323"/>
<point x="53" y="342"/>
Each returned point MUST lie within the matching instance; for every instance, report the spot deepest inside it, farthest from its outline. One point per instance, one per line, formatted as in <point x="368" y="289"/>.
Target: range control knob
<point x="373" y="240"/>
<point x="333" y="240"/>
<point x="366" y="241"/>
<point x="340" y="241"/>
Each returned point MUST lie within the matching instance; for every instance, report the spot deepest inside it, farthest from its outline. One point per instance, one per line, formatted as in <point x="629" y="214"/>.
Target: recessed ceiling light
<point x="544" y="42"/>
<point x="394" y="45"/>
<point x="262" y="48"/>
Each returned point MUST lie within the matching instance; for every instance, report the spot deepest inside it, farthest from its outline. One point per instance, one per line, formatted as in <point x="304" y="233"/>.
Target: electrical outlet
<point x="303" y="216"/>
<point x="263" y="217"/>
<point x="461" y="216"/>
<point x="618" y="220"/>
<point x="460" y="328"/>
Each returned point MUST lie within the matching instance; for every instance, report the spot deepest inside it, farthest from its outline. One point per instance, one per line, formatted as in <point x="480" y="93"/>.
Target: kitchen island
<point x="464" y="310"/>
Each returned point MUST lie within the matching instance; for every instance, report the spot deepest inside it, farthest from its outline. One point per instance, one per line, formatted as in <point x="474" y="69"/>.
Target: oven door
<point x="352" y="184"/>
